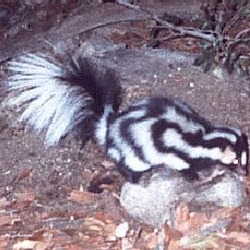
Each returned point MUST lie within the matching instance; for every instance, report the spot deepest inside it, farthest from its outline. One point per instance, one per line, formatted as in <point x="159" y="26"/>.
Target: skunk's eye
<point x="236" y="162"/>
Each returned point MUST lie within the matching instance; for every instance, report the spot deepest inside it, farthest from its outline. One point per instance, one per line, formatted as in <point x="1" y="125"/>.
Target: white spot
<point x="243" y="159"/>
<point x="236" y="161"/>
<point x="191" y="84"/>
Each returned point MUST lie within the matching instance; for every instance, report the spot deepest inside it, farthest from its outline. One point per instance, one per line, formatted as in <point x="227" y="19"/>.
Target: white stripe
<point x="122" y="148"/>
<point x="114" y="154"/>
<point x="135" y="163"/>
<point x="171" y="115"/>
<point x="216" y="135"/>
<point x="234" y="130"/>
<point x="172" y="138"/>
<point x="102" y="125"/>
<point x="142" y="136"/>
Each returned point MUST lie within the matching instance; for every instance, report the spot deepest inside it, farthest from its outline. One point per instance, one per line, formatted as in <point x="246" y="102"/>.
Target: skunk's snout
<point x="243" y="152"/>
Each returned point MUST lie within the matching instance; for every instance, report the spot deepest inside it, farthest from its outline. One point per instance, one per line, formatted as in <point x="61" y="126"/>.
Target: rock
<point x="155" y="203"/>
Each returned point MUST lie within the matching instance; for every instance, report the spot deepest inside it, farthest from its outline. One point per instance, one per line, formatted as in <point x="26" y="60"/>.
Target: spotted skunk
<point x="83" y="100"/>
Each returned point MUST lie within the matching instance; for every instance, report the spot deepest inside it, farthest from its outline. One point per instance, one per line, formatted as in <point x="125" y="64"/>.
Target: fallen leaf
<point x="82" y="196"/>
<point x="74" y="247"/>
<point x="8" y="219"/>
<point x="182" y="213"/>
<point x="200" y="242"/>
<point x="26" y="244"/>
<point x="126" y="244"/>
<point x="226" y="212"/>
<point x="189" y="223"/>
<point x="26" y="196"/>
<point x="151" y="240"/>
<point x="3" y="242"/>
<point x="242" y="237"/>
<point x="4" y="203"/>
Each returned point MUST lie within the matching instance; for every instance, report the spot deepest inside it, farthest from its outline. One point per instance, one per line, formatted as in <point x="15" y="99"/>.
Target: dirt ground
<point x="46" y="198"/>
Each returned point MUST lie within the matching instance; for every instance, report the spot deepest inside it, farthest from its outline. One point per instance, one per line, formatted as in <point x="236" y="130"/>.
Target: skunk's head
<point x="236" y="151"/>
<point x="242" y="152"/>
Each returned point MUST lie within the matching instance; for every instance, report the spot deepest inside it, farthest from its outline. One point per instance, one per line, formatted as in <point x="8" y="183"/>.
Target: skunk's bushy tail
<point x="59" y="100"/>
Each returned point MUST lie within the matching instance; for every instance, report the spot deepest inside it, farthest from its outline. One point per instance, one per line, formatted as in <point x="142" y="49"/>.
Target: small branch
<point x="231" y="23"/>
<point x="232" y="43"/>
<point x="170" y="37"/>
<point x="209" y="36"/>
<point x="245" y="31"/>
<point x="107" y="23"/>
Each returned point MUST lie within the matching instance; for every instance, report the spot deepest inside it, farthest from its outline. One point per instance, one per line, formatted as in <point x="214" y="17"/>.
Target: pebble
<point x="191" y="84"/>
<point x="122" y="230"/>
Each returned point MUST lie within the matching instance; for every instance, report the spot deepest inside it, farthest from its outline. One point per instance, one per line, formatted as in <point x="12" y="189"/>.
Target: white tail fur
<point x="51" y="105"/>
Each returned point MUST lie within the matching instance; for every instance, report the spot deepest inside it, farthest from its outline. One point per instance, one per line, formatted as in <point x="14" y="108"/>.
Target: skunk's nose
<point x="243" y="152"/>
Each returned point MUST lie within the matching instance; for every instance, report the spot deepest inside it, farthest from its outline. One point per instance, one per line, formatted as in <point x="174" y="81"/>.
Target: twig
<point x="245" y="31"/>
<point x="107" y="23"/>
<point x="209" y="36"/>
<point x="231" y="23"/>
<point x="170" y="37"/>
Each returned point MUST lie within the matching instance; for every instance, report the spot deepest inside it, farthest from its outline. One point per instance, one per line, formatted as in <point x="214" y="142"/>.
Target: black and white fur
<point x="83" y="100"/>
